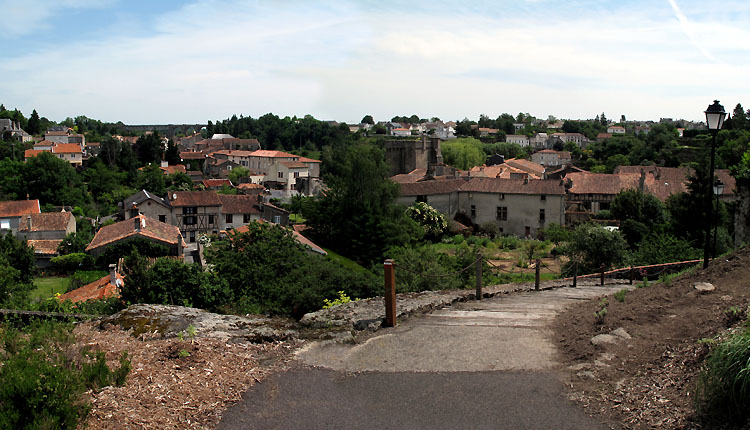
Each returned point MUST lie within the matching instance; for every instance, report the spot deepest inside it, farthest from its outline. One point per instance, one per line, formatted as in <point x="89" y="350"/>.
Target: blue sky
<point x="189" y="61"/>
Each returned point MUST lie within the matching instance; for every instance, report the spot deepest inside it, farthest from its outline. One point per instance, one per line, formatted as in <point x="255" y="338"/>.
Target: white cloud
<point x="25" y="17"/>
<point x="214" y="59"/>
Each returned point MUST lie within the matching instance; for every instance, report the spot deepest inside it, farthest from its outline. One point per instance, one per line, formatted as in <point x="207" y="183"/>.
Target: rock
<point x="587" y="374"/>
<point x="621" y="333"/>
<point x="606" y="356"/>
<point x="603" y="339"/>
<point x="579" y="366"/>
<point x="726" y="298"/>
<point x="704" y="287"/>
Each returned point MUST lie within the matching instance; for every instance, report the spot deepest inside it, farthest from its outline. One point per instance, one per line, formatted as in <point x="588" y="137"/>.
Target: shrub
<point x="432" y="221"/>
<point x="43" y="382"/>
<point x="70" y="263"/>
<point x="620" y="295"/>
<point x="458" y="239"/>
<point x="723" y="392"/>
<point x="83" y="277"/>
<point x="490" y="229"/>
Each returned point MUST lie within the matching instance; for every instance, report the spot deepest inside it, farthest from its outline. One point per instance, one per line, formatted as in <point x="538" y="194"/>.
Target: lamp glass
<point x="715" y="116"/>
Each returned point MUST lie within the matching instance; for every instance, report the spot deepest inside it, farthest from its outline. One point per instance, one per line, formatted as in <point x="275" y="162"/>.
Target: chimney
<point x="526" y="180"/>
<point x="113" y="274"/>
<point x="28" y="222"/>
<point x="137" y="223"/>
<point x="134" y="211"/>
<point x="164" y="163"/>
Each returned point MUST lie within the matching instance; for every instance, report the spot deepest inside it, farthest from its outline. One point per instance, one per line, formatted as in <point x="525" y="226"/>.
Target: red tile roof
<point x="601" y="183"/>
<point x="431" y="187"/>
<point x="216" y="182"/>
<point x="48" y="221"/>
<point x="308" y="160"/>
<point x="194" y="198"/>
<point x="67" y="148"/>
<point x="526" y="166"/>
<point x="100" y="289"/>
<point x="149" y="228"/>
<point x="294" y="165"/>
<point x="251" y="187"/>
<point x="30" y="153"/>
<point x="235" y="152"/>
<point x="173" y="169"/>
<point x="45" y="247"/>
<point x="514" y="186"/>
<point x="190" y="155"/>
<point x="239" y="204"/>
<point x="272" y="154"/>
<point x="13" y="208"/>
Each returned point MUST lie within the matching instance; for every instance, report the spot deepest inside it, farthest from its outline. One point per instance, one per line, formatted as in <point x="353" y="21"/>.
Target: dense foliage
<point x="44" y="378"/>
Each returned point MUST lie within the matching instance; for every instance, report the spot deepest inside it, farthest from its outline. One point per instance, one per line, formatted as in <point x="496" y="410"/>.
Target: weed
<point x="183" y="354"/>
<point x="602" y="312"/>
<point x="734" y="315"/>
<point x="723" y="392"/>
<point x="343" y="298"/>
<point x="620" y="295"/>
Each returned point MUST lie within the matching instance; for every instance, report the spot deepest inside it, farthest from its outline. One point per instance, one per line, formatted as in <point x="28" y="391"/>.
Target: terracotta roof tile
<point x="45" y="247"/>
<point x="190" y="155"/>
<point x="294" y="165"/>
<point x="601" y="183"/>
<point x="308" y="160"/>
<point x="13" y="208"/>
<point x="239" y="204"/>
<point x="30" y="153"/>
<point x="67" y="148"/>
<point x="48" y="221"/>
<point x="170" y="170"/>
<point x="251" y="187"/>
<point x="100" y="289"/>
<point x="431" y="187"/>
<point x="217" y="182"/>
<point x="150" y="228"/>
<point x="194" y="198"/>
<point x="272" y="154"/>
<point x="514" y="186"/>
<point x="526" y="165"/>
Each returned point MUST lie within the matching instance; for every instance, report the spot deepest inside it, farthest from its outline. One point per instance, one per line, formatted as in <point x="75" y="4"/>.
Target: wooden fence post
<point x="390" y="294"/>
<point x="602" y="270"/>
<point x="575" y="274"/>
<point x="479" y="276"/>
<point x="631" y="275"/>
<point x="537" y="274"/>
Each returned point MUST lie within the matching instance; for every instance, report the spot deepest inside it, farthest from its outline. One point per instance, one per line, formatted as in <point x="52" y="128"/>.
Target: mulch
<point x="175" y="384"/>
<point x="649" y="381"/>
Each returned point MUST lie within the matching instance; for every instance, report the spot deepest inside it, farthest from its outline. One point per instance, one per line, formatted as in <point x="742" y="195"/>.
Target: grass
<point x="296" y="219"/>
<point x="48" y="287"/>
<point x="344" y="261"/>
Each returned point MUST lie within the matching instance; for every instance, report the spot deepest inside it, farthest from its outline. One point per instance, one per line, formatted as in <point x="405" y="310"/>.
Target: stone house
<point x="238" y="210"/>
<point x="518" y="139"/>
<point x="284" y="174"/>
<point x="44" y="232"/>
<point x="440" y="194"/>
<point x="149" y="204"/>
<point x="520" y="207"/>
<point x="550" y="157"/>
<point x="139" y="226"/>
<point x="195" y="212"/>
<point x="615" y="129"/>
<point x="12" y="211"/>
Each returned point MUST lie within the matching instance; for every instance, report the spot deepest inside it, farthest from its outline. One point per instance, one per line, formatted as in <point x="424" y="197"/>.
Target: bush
<point x="432" y="221"/>
<point x="490" y="229"/>
<point x="620" y="295"/>
<point x="43" y="379"/>
<point x="70" y="263"/>
<point x="84" y="277"/>
<point x="143" y="247"/>
<point x="458" y="239"/>
<point x="723" y="392"/>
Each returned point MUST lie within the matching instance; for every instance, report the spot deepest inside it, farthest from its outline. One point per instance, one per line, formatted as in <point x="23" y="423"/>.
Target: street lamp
<point x="718" y="191"/>
<point x="715" y="119"/>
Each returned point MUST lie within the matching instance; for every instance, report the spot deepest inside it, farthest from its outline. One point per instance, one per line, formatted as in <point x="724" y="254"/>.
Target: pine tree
<point x="34" y="125"/>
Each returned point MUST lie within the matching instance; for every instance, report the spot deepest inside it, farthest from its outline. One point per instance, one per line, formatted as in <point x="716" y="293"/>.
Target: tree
<point x="151" y="178"/>
<point x="432" y="221"/>
<point x="237" y="173"/>
<point x="638" y="212"/>
<point x="33" y="126"/>
<point x="149" y="148"/>
<point x="603" y="119"/>
<point x="367" y="119"/>
<point x="54" y="181"/>
<point x="463" y="153"/>
<point x="172" y="154"/>
<point x="593" y="246"/>
<point x="739" y="118"/>
<point x="74" y="243"/>
<point x="357" y="215"/>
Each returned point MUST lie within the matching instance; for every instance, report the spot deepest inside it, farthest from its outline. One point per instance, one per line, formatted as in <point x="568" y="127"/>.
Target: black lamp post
<point x="718" y="191"/>
<point x="715" y="119"/>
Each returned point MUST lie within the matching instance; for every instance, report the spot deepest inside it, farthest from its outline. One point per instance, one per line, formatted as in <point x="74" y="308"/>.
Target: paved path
<point x="478" y="364"/>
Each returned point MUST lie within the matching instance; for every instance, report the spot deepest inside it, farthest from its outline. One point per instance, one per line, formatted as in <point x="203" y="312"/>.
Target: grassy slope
<point x="48" y="287"/>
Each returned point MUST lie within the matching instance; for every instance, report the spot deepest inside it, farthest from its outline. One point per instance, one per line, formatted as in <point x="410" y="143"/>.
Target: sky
<point x="168" y="61"/>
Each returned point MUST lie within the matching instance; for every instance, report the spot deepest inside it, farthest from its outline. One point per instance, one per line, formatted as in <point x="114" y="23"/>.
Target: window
<point x="190" y="220"/>
<point x="190" y="210"/>
<point x="281" y="174"/>
<point x="501" y="196"/>
<point x="277" y="219"/>
<point x="502" y="213"/>
<point x="541" y="215"/>
<point x="162" y="218"/>
<point x="473" y="211"/>
<point x="229" y="218"/>
<point x="528" y="231"/>
<point x="5" y="224"/>
<point x="296" y="174"/>
<point x="245" y="218"/>
<point x="192" y="237"/>
<point x="210" y="219"/>
<point x="544" y="197"/>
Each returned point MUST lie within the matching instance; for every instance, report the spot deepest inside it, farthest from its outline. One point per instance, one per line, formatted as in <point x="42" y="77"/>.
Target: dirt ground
<point x="175" y="384"/>
<point x="649" y="380"/>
